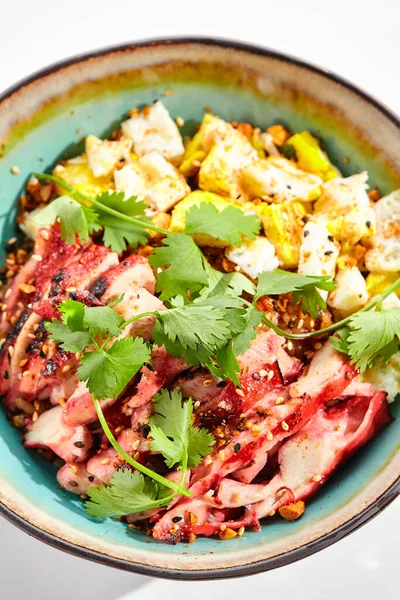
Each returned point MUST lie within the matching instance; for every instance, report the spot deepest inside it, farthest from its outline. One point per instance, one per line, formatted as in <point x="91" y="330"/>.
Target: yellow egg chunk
<point x="377" y="283"/>
<point x="77" y="173"/>
<point x="283" y="227"/>
<point x="310" y="157"/>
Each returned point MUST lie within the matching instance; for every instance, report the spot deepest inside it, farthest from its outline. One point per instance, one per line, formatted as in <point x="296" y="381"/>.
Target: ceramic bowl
<point x="43" y="119"/>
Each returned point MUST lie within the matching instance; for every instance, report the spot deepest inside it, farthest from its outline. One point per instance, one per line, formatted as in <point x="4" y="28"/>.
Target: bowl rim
<point x="325" y="540"/>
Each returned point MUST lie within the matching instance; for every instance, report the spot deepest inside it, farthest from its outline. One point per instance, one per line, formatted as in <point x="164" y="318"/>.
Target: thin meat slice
<point x="310" y="457"/>
<point x="158" y="373"/>
<point x="76" y="479"/>
<point x="50" y="251"/>
<point x="72" y="444"/>
<point x="281" y="413"/>
<point x="132" y="273"/>
<point x="80" y="410"/>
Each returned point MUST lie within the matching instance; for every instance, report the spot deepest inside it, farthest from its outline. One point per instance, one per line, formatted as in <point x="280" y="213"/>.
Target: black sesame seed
<point x="256" y="376"/>
<point x="79" y="444"/>
<point x="368" y="224"/>
<point x="221" y="384"/>
<point x="305" y="234"/>
<point x="73" y="483"/>
<point x="176" y="519"/>
<point x="91" y="477"/>
<point x="145" y="429"/>
<point x="305" y="219"/>
<point x="330" y="238"/>
<point x="328" y="252"/>
<point x="5" y="375"/>
<point x="289" y="187"/>
<point x="237" y="447"/>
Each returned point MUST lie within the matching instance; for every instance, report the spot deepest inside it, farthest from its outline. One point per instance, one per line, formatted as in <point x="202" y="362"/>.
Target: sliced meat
<point x="76" y="479"/>
<point x="80" y="410"/>
<point x="309" y="458"/>
<point x="72" y="444"/>
<point x="158" y="373"/>
<point x="132" y="273"/>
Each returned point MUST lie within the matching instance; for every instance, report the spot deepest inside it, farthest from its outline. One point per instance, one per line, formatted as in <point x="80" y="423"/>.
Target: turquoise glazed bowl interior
<point x="44" y="119"/>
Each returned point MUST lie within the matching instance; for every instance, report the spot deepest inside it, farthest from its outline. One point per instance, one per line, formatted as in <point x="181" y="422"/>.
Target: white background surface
<point x="357" y="39"/>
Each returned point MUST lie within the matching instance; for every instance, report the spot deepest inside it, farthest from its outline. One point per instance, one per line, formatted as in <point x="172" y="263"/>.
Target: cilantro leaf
<point x="303" y="287"/>
<point x="241" y="341"/>
<point x="370" y="335"/>
<point x="72" y="314"/>
<point x="102" y="319"/>
<point x="70" y="341"/>
<point x="119" y="234"/>
<point x="229" y="225"/>
<point x="108" y="372"/>
<point x="226" y="365"/>
<point x="191" y="331"/>
<point x="73" y="218"/>
<point x="185" y="270"/>
<point x="226" y="283"/>
<point x="171" y="427"/>
<point x="127" y="492"/>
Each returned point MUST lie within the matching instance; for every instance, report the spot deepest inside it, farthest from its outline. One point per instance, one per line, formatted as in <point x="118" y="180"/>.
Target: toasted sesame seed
<point x="196" y="163"/>
<point x="312" y="324"/>
<point x="74" y="469"/>
<point x="136" y="456"/>
<point x="271" y="514"/>
<point x="15" y="170"/>
<point x="26" y="373"/>
<point x="300" y="323"/>
<point x="240" y="392"/>
<point x="66" y="368"/>
<point x="70" y="289"/>
<point x="269" y="436"/>
<point x="237" y="268"/>
<point x="289" y="345"/>
<point x="78" y="355"/>
<point x="208" y="382"/>
<point x="35" y="416"/>
<point x="23" y="362"/>
<point x="285" y="426"/>
<point x="44" y="234"/>
<point x="105" y="461"/>
<point x="37" y="257"/>
<point x="263" y="373"/>
<point x="270" y="374"/>
<point x="179" y="121"/>
<point x="317" y="346"/>
<point x="11" y="351"/>
<point x="240" y="531"/>
<point x="26" y="288"/>
<point x="280" y="400"/>
<point x="8" y="292"/>
<point x="222" y="527"/>
<point x="316" y="478"/>
<point x="255" y="429"/>
<point x="135" y="444"/>
<point x="208" y="462"/>
<point x="31" y="335"/>
<point x="197" y="404"/>
<point x="4" y="308"/>
<point x="221" y="456"/>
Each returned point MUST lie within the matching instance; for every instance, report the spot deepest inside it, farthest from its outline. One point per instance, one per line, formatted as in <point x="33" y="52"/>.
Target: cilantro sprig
<point x="173" y="436"/>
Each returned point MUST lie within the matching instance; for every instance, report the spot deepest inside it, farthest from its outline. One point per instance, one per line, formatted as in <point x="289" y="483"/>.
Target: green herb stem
<point x="92" y="202"/>
<point x="152" y="474"/>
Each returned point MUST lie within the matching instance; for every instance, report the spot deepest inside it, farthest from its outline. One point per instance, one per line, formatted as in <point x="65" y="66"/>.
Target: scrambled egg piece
<point x="103" y="155"/>
<point x="211" y="129"/>
<point x="178" y="220"/>
<point x="377" y="283"/>
<point x="154" y="129"/>
<point x="344" y="207"/>
<point x="221" y="170"/>
<point x="278" y="180"/>
<point x="254" y="256"/>
<point x="318" y="252"/>
<point x="154" y="180"/>
<point x="310" y="157"/>
<point x="79" y="175"/>
<point x="351" y="292"/>
<point x="283" y="226"/>
<point x="385" y="255"/>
